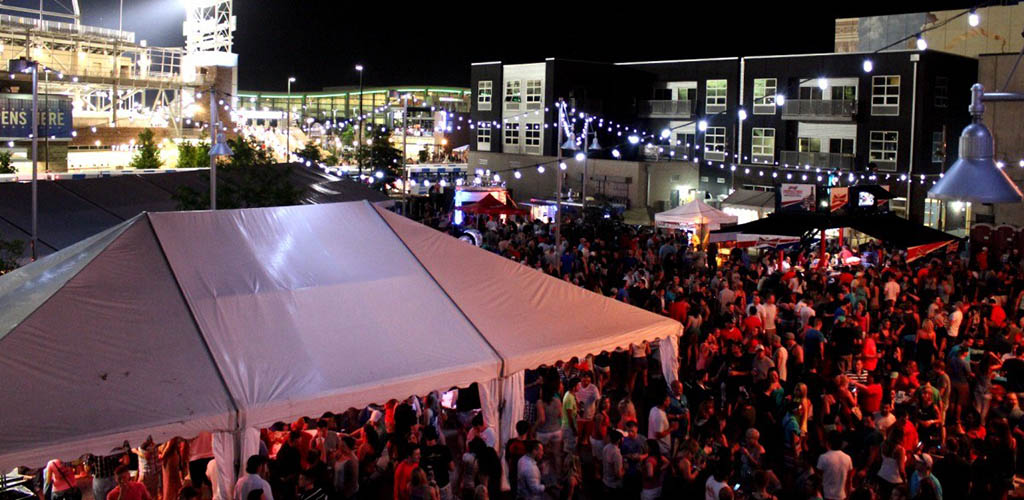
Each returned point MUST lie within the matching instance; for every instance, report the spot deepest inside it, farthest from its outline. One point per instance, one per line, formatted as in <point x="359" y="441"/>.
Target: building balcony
<point x="666" y="109"/>
<point x="821" y="160"/>
<point x="819" y="110"/>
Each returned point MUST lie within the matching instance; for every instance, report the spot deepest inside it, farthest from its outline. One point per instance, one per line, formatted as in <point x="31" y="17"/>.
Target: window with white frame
<point x="534" y="91"/>
<point x="808" y="144"/>
<point x="511" y="134"/>
<point x="513" y="91"/>
<point x="714" y="140"/>
<point x="939" y="146"/>
<point x="716" y="95"/>
<point x="532" y="134"/>
<point x="764" y="96"/>
<point x="762" y="145"/>
<point x="882" y="148"/>
<point x="483" y="137"/>
<point x="484" y="92"/>
<point x="885" y="95"/>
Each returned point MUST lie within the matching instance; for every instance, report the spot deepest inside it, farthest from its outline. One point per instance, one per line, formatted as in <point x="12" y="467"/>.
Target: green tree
<point x="423" y="156"/>
<point x="10" y="252"/>
<point x="380" y="156"/>
<point x="250" y="178"/>
<point x="348" y="136"/>
<point x="5" y="163"/>
<point x="311" y="152"/>
<point x="148" y="155"/>
<point x="193" y="155"/>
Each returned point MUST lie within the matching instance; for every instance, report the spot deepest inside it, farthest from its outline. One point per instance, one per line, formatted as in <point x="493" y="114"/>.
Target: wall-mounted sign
<point x="16" y="117"/>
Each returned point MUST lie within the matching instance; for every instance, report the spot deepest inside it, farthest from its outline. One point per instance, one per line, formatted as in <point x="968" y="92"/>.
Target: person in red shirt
<point x="752" y="323"/>
<point x="403" y="473"/>
<point x="870" y="395"/>
<point x="998" y="316"/>
<point x="730" y="333"/>
<point x="126" y="488"/>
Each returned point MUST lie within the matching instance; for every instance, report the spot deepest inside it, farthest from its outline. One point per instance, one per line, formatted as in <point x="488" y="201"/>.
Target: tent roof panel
<point x="106" y="352"/>
<point x="359" y="311"/>
<point x="529" y="317"/>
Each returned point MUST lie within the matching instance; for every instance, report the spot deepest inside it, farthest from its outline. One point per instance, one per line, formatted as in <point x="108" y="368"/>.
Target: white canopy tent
<point x="693" y="214"/>
<point x="174" y="323"/>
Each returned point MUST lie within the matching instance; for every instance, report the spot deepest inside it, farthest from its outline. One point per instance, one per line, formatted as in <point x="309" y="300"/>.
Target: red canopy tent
<point x="489" y="205"/>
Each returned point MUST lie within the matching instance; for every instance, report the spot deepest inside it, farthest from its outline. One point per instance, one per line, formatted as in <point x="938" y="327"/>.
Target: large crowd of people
<point x="885" y="380"/>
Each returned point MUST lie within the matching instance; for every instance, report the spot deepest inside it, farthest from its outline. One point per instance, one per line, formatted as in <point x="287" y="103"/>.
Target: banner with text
<point x="797" y="197"/>
<point x="16" y="117"/>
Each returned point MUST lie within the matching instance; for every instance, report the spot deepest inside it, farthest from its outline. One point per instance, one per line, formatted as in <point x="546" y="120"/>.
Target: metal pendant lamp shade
<point x="570" y="142"/>
<point x="594" y="146"/>
<point x="974" y="176"/>
<point x="221" y="148"/>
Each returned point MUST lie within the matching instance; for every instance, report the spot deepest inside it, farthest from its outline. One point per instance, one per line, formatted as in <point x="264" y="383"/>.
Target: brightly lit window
<point x="764" y="95"/>
<point x="717" y="90"/>
<point x="762" y="145"/>
<point x="483" y="133"/>
<point x="808" y="144"/>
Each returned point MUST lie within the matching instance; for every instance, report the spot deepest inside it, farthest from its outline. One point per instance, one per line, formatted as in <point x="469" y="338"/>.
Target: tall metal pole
<point x="558" y="177"/>
<point x="213" y="143"/>
<point x="586" y="159"/>
<point x="359" y="157"/>
<point x="405" y="152"/>
<point x="35" y="156"/>
<point x="46" y="121"/>
<point x="288" y="125"/>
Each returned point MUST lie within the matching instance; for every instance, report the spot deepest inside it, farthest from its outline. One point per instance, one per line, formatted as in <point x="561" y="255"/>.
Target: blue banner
<point x="16" y="116"/>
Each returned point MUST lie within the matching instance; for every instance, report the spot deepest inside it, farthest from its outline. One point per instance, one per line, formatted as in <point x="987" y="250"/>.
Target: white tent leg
<point x="512" y="411"/>
<point x="229" y="449"/>
<point x="668" y="352"/>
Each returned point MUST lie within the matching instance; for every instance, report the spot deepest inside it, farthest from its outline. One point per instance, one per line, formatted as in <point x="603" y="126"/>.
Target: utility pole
<point x="288" y="124"/>
<point x="586" y="159"/>
<point x="405" y="153"/>
<point x="558" y="176"/>
<point x="35" y="155"/>
<point x="359" y="157"/>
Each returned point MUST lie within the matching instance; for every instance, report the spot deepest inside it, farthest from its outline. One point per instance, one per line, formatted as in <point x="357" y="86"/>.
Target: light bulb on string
<point x="973" y="19"/>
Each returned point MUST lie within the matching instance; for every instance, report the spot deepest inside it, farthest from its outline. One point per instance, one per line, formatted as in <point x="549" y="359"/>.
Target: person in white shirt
<point x="781" y="357"/>
<point x="528" y="473"/>
<point x="211" y="474"/>
<point x="956" y="319"/>
<point x="892" y="289"/>
<point x="836" y="469"/>
<point x="256" y="469"/>
<point x="481" y="430"/>
<point x="658" y="426"/>
<point x="769" y="314"/>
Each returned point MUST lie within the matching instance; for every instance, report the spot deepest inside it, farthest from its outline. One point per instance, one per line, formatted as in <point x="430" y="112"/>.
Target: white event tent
<point x="174" y="323"/>
<point x="693" y="214"/>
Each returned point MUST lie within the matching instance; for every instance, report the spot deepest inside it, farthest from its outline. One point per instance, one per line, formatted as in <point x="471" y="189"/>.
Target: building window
<point x="513" y="94"/>
<point x="532" y="134"/>
<point x="941" y="92"/>
<point x="939" y="146"/>
<point x="485" y="89"/>
<point x="704" y="178"/>
<point x="762" y="145"/>
<point x="721" y="180"/>
<point x="686" y="94"/>
<point x="844" y="93"/>
<point x="483" y="137"/>
<point x="932" y="212"/>
<point x="841" y="146"/>
<point x="511" y="134"/>
<point x="714" y="141"/>
<point x="662" y="94"/>
<point x="885" y="95"/>
<point x="764" y="96"/>
<point x="534" y="91"/>
<point x="882" y="149"/>
<point x="810" y="93"/>
<point x="808" y="144"/>
<point x="716" y="98"/>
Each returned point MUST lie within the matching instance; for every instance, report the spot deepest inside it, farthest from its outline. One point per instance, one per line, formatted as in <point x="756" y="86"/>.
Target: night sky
<point x="320" y="41"/>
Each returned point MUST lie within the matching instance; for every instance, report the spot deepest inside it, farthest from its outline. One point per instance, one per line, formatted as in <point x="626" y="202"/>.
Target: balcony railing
<point x="666" y="109"/>
<point x="819" y="110"/>
<point x="822" y="160"/>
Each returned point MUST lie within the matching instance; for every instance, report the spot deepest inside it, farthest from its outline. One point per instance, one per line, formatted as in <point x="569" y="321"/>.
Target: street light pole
<point x="558" y="176"/>
<point x="288" y="124"/>
<point x="586" y="159"/>
<point x="35" y="156"/>
<point x="359" y="157"/>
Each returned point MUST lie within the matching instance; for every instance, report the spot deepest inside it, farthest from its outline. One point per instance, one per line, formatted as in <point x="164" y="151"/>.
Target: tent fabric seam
<point x="501" y="373"/>
<point x="69" y="280"/>
<point x="199" y="330"/>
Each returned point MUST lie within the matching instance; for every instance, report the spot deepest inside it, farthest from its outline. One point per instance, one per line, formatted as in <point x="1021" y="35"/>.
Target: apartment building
<point x="733" y="122"/>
